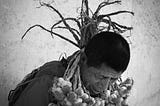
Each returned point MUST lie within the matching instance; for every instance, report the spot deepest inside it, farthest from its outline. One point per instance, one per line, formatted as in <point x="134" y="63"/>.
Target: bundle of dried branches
<point x="88" y="25"/>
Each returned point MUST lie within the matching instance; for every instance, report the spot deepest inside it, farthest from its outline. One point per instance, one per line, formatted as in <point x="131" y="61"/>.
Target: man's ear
<point x="83" y="59"/>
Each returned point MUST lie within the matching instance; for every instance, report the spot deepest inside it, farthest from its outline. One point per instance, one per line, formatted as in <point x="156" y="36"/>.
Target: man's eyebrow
<point x="113" y="76"/>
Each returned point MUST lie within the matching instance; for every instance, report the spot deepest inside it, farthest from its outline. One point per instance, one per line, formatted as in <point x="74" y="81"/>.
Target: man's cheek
<point x="98" y="87"/>
<point x="102" y="85"/>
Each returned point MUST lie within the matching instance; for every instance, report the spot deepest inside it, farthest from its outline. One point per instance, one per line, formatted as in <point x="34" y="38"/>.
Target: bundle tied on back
<point x="68" y="90"/>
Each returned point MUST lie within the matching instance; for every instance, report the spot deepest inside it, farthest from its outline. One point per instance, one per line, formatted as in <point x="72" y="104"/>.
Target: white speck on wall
<point x="19" y="57"/>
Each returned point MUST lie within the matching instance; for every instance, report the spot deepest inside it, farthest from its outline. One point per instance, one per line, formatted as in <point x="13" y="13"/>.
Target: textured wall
<point x="17" y="57"/>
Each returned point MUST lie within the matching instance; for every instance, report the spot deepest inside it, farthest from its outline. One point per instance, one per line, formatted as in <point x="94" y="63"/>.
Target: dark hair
<point x="109" y="48"/>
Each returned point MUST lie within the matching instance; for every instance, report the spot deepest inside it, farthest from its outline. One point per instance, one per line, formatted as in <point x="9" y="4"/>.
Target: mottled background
<point x="18" y="58"/>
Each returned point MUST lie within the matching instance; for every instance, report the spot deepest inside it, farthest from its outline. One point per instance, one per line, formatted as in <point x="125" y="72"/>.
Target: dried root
<point x="87" y="25"/>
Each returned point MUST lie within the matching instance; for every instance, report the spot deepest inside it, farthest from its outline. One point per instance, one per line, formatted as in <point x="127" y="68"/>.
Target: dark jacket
<point x="36" y="92"/>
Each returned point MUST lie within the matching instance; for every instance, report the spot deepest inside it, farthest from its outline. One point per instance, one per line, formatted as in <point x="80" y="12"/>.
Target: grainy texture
<point x="17" y="58"/>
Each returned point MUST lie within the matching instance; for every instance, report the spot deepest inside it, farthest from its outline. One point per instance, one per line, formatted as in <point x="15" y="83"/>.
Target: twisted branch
<point x="67" y="28"/>
<point x="103" y="4"/>
<point x="72" y="19"/>
<point x="114" y="13"/>
<point x="50" y="32"/>
<point x="63" y="20"/>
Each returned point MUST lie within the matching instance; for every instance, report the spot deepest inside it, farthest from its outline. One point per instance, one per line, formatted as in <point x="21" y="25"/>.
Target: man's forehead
<point x="111" y="75"/>
<point x="108" y="71"/>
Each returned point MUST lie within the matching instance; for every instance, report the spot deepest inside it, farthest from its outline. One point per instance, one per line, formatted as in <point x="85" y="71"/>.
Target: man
<point x="105" y="58"/>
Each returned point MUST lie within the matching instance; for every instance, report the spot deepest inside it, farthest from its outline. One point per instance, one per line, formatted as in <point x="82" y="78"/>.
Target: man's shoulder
<point x="51" y="64"/>
<point x="53" y="68"/>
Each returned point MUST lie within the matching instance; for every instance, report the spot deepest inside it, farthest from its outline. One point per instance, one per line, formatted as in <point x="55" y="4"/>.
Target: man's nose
<point x="105" y="83"/>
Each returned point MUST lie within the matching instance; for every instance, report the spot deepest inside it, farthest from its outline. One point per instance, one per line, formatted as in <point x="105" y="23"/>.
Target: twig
<point x="67" y="28"/>
<point x="114" y="25"/>
<point x="50" y="32"/>
<point x="114" y="13"/>
<point x="85" y="2"/>
<point x="110" y="23"/>
<point x="101" y="28"/>
<point x="84" y="12"/>
<point x="73" y="19"/>
<point x="103" y="4"/>
<point x="107" y="22"/>
<point x="122" y="26"/>
<point x="65" y="23"/>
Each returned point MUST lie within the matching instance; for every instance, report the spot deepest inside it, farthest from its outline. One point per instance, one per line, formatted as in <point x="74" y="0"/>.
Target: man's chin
<point x="95" y="95"/>
<point x="93" y="92"/>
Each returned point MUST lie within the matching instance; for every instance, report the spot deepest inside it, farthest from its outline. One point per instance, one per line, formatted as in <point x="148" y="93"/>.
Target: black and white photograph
<point x="79" y="53"/>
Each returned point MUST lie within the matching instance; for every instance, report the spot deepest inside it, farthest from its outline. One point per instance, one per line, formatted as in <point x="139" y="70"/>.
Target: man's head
<point x="106" y="56"/>
<point x="109" y="48"/>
